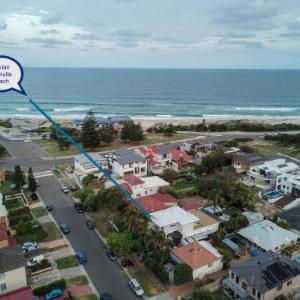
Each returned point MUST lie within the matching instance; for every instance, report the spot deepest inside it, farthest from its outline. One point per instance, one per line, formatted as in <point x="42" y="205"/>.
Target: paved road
<point x="106" y="275"/>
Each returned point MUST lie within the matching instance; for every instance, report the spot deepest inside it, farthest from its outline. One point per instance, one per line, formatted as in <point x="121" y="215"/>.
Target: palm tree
<point x="156" y="240"/>
<point x="134" y="221"/>
<point x="216" y="196"/>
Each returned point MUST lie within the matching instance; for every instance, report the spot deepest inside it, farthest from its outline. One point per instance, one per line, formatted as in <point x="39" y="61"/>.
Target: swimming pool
<point x="273" y="194"/>
<point x="297" y="259"/>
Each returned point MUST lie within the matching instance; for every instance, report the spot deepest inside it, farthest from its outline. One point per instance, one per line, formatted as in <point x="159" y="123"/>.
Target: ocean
<point x="157" y="93"/>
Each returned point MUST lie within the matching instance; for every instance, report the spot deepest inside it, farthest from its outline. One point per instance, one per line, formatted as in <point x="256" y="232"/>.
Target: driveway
<point x="106" y="276"/>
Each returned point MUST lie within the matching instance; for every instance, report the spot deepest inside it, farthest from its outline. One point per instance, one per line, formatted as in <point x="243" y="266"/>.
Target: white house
<point x="12" y="269"/>
<point x="127" y="162"/>
<point x="142" y="186"/>
<point x="266" y="235"/>
<point x="289" y="183"/>
<point x="202" y="257"/>
<point x="158" y="158"/>
<point x="267" y="172"/>
<point x="83" y="166"/>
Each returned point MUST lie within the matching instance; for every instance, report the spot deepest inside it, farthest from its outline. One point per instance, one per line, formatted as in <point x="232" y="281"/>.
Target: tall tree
<point x="90" y="136"/>
<point x="19" y="177"/>
<point x="107" y="134"/>
<point x="132" y="132"/>
<point x="31" y="181"/>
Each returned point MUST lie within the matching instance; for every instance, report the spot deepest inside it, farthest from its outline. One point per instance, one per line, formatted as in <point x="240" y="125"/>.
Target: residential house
<point x="264" y="277"/>
<point x="12" y="269"/>
<point x="266" y="173"/>
<point x="266" y="235"/>
<point x="253" y="216"/>
<point x="292" y="217"/>
<point x="190" y="224"/>
<point x="202" y="257"/>
<point x="196" y="146"/>
<point x="127" y="162"/>
<point x="142" y="186"/>
<point x="157" y="202"/>
<point x="289" y="183"/>
<point x="242" y="162"/>
<point x="158" y="158"/>
<point x="83" y="166"/>
<point x="180" y="160"/>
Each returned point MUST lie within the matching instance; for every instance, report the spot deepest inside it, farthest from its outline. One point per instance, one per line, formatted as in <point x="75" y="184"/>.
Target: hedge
<point x="182" y="274"/>
<point x="40" y="291"/>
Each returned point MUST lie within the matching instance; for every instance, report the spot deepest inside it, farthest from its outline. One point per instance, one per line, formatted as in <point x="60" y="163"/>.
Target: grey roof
<point x="163" y="149"/>
<point x="267" y="270"/>
<point x="82" y="159"/>
<point x="125" y="156"/>
<point x="11" y="258"/>
<point x="292" y="216"/>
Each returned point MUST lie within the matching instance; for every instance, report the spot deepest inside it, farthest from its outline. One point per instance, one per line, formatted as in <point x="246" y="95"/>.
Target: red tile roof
<point x="194" y="255"/>
<point x="133" y="180"/>
<point x="165" y="198"/>
<point x="192" y="205"/>
<point x="24" y="293"/>
<point x="178" y="155"/>
<point x="152" y="162"/>
<point x="150" y="204"/>
<point x="127" y="188"/>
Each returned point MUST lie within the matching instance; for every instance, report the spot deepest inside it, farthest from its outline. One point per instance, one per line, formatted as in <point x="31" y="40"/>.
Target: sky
<point x="152" y="33"/>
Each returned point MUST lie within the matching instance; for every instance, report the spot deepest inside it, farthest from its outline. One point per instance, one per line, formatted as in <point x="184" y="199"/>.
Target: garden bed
<point x="14" y="202"/>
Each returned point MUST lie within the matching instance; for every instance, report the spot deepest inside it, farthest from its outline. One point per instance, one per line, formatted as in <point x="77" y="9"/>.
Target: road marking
<point x="43" y="174"/>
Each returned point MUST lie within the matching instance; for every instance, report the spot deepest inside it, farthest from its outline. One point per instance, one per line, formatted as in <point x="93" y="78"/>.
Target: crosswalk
<point x="43" y="174"/>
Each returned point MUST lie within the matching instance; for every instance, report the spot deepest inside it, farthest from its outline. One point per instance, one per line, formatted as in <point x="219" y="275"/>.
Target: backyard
<point x="51" y="148"/>
<point x="14" y="202"/>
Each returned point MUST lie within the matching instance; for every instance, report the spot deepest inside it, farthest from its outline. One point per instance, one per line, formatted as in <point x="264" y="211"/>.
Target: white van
<point x="35" y="260"/>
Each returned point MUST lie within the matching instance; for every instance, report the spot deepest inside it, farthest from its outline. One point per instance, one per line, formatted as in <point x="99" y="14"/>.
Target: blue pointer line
<point x="101" y="170"/>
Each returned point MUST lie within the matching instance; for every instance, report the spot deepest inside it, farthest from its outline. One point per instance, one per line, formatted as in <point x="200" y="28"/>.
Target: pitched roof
<point x="267" y="270"/>
<point x="267" y="235"/>
<point x="11" y="258"/>
<point x="178" y="155"/>
<point x="125" y="156"/>
<point x="172" y="215"/>
<point x="24" y="293"/>
<point x="196" y="255"/>
<point x="133" y="180"/>
<point x="192" y="205"/>
<point x="82" y="159"/>
<point x="292" y="216"/>
<point x="151" y="204"/>
<point x="152" y="162"/>
<point x="165" y="198"/>
<point x="127" y="188"/>
<point x="154" y="182"/>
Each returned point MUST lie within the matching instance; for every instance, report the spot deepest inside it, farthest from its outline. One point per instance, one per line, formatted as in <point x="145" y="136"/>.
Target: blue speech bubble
<point x="11" y="75"/>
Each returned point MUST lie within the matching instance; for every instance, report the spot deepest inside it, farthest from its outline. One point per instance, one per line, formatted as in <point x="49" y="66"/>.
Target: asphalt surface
<point x="107" y="276"/>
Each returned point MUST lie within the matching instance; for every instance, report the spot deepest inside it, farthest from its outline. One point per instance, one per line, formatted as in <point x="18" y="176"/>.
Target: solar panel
<point x="278" y="271"/>
<point x="270" y="277"/>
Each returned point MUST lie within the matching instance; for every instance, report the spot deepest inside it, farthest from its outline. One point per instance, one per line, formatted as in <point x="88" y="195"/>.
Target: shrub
<point x="40" y="291"/>
<point x="227" y="256"/>
<point x="24" y="227"/>
<point x="182" y="274"/>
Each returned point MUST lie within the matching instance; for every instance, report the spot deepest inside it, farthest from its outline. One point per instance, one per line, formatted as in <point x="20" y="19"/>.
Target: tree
<point x="24" y="227"/>
<point x="156" y="240"/>
<point x="227" y="256"/>
<point x="109" y="198"/>
<point x="201" y="294"/>
<point x="19" y="178"/>
<point x="88" y="199"/>
<point x="216" y="196"/>
<point x="121" y="243"/>
<point x="135" y="222"/>
<point x="88" y="179"/>
<point x="62" y="142"/>
<point x="3" y="151"/>
<point x="182" y="274"/>
<point x="170" y="175"/>
<point x="132" y="132"/>
<point x="107" y="134"/>
<point x="90" y="136"/>
<point x="242" y="196"/>
<point x="283" y="223"/>
<point x="31" y="181"/>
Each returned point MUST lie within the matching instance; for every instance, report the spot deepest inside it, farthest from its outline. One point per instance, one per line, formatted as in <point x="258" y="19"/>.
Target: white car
<point x="65" y="189"/>
<point x="30" y="249"/>
<point x="28" y="245"/>
<point x="136" y="287"/>
<point x="35" y="260"/>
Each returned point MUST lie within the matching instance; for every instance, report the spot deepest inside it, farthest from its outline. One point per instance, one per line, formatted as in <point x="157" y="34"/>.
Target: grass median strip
<point x="67" y="262"/>
<point x="39" y="212"/>
<point x="75" y="281"/>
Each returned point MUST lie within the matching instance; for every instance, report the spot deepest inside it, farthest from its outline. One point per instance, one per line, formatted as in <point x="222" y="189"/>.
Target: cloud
<point x="3" y="25"/>
<point x="291" y="34"/>
<point x="248" y="15"/>
<point x="48" y="43"/>
<point x="238" y="34"/>
<point x="127" y="44"/>
<point x="51" y="19"/>
<point x="294" y="25"/>
<point x="85" y="36"/>
<point x="245" y="44"/>
<point x="49" y="31"/>
<point x="130" y="34"/>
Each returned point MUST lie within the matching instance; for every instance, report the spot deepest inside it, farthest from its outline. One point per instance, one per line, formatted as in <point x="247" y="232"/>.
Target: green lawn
<point x="50" y="146"/>
<point x="151" y="285"/>
<point x="184" y="185"/>
<point x="5" y="186"/>
<point x="39" y="212"/>
<point x="52" y="232"/>
<point x="13" y="203"/>
<point x="75" y="281"/>
<point x="67" y="262"/>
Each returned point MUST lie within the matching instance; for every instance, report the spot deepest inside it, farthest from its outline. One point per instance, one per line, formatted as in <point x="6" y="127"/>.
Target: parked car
<point x="105" y="296"/>
<point x="53" y="294"/>
<point x="136" y="287"/>
<point x="64" y="228"/>
<point x="50" y="207"/>
<point x="127" y="262"/>
<point x="35" y="260"/>
<point x="90" y="224"/>
<point x="78" y="206"/>
<point x="110" y="254"/>
<point x="31" y="249"/>
<point x="29" y="244"/>
<point x="81" y="257"/>
<point x="65" y="189"/>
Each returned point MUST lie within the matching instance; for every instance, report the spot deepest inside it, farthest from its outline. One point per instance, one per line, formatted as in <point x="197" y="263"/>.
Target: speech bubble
<point x="11" y="75"/>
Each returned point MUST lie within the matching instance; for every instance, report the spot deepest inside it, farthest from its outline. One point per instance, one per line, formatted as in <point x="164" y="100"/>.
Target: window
<point x="237" y="279"/>
<point x="3" y="287"/>
<point x="232" y="275"/>
<point x="289" y="282"/>
<point x="244" y="285"/>
<point x="253" y="291"/>
<point x="258" y="295"/>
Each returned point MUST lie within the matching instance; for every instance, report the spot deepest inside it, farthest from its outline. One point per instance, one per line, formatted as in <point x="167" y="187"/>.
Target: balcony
<point x="234" y="287"/>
